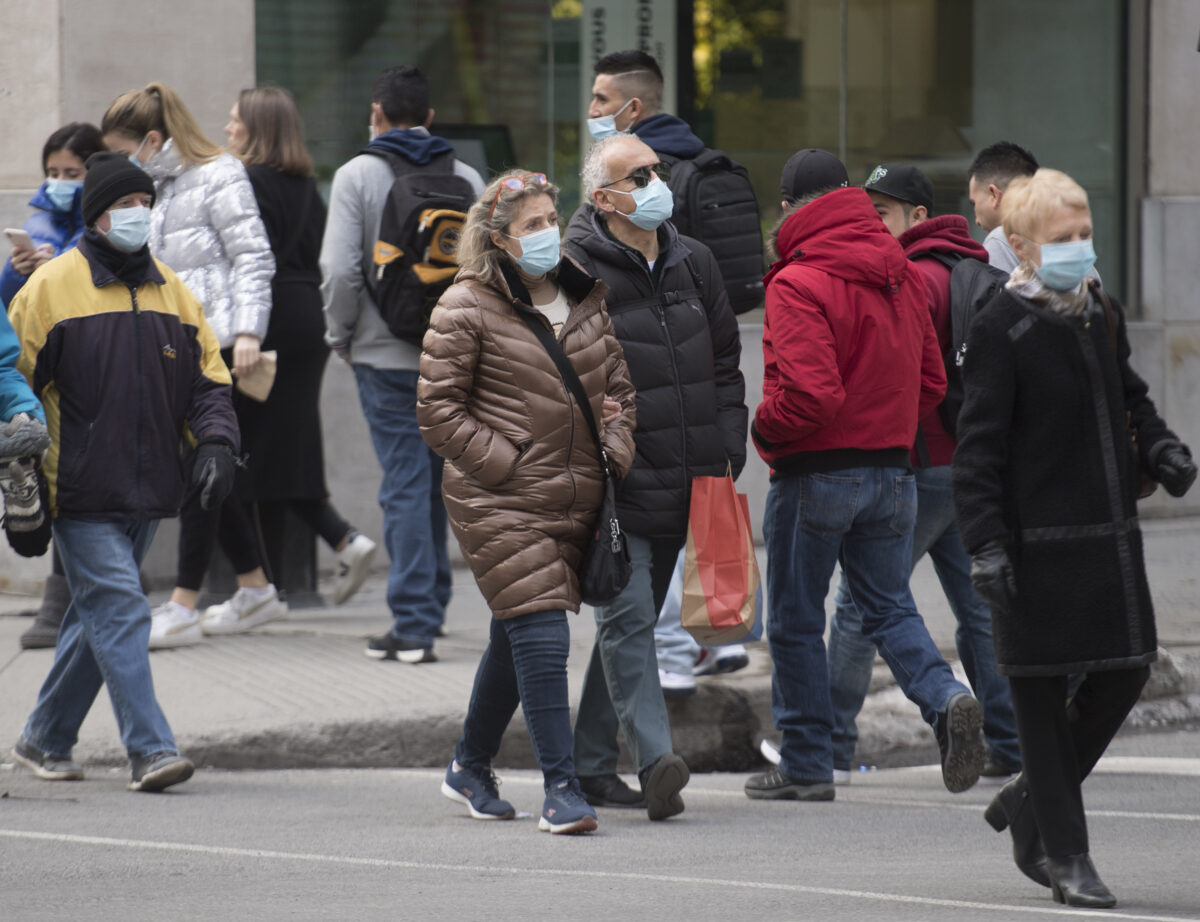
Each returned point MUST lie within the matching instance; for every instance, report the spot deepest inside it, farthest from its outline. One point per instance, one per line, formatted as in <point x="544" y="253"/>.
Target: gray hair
<point x="476" y="251"/>
<point x="595" y="174"/>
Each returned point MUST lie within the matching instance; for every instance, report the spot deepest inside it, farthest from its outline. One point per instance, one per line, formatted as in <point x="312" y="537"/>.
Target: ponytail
<point x="159" y="108"/>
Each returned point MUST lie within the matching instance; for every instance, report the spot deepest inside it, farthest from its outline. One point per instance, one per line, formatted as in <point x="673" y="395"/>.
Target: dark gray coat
<point x="681" y="344"/>
<point x="1045" y="465"/>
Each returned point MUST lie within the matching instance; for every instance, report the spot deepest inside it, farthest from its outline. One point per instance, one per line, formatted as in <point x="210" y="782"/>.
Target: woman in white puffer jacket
<point x="206" y="226"/>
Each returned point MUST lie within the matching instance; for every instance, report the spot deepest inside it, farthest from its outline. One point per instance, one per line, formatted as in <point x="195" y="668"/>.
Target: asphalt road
<point x="375" y="844"/>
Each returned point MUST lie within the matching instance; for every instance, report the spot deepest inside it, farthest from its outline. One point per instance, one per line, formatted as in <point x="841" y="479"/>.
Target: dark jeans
<point x="525" y="663"/>
<point x="1061" y="742"/>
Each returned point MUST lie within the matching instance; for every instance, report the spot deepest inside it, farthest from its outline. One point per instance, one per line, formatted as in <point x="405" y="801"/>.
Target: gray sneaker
<point x="775" y="785"/>
<point x="160" y="771"/>
<point x="45" y="765"/>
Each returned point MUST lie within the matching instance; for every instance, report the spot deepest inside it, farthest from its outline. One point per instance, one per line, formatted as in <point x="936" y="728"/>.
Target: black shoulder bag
<point x="606" y="568"/>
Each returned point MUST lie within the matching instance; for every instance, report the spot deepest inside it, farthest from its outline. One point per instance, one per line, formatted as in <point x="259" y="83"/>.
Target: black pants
<point x="1061" y="742"/>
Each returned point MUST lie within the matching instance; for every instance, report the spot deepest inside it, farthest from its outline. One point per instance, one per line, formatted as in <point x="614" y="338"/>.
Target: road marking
<point x="719" y="883"/>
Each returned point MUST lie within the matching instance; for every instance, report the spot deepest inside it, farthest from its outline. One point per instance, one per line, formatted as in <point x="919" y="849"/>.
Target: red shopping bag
<point x="720" y="572"/>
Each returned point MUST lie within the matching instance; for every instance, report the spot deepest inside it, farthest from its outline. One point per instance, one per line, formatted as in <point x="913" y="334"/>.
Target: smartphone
<point x="19" y="238"/>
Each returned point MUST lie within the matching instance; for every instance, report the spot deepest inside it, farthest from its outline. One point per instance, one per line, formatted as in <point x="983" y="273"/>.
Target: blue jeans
<point x="410" y="495"/>
<point x="104" y="640"/>
<point x="525" y="663"/>
<point x="621" y="688"/>
<point x="851" y="652"/>
<point x="864" y="518"/>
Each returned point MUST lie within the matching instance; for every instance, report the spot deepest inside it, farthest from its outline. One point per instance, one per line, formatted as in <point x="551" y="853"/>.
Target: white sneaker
<point x="719" y="660"/>
<point x="841" y="776"/>
<point x="676" y="684"/>
<point x="353" y="565"/>
<point x="247" y="609"/>
<point x="174" y="625"/>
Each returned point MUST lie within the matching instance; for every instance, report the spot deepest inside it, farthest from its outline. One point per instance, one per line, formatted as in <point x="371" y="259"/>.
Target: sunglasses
<point x="644" y="174"/>
<point x="517" y="184"/>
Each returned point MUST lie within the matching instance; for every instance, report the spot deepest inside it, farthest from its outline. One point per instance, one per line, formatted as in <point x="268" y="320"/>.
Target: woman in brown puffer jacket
<point x="523" y="481"/>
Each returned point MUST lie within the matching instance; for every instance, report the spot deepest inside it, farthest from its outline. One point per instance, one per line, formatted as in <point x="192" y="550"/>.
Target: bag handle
<point x="570" y="378"/>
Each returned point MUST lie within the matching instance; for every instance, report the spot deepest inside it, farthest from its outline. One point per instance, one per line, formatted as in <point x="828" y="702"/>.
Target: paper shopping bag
<point x="720" y="572"/>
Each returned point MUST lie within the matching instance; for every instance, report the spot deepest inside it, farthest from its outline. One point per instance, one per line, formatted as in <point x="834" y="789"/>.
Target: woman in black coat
<point x="282" y="436"/>
<point x="1046" y="480"/>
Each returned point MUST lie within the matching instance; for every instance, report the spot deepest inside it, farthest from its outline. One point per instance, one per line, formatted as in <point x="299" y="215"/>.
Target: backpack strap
<point x="569" y="376"/>
<point x="439" y="163"/>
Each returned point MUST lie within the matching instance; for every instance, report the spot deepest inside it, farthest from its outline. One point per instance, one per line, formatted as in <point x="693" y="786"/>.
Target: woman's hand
<point x="245" y="354"/>
<point x="609" y="411"/>
<point x="25" y="261"/>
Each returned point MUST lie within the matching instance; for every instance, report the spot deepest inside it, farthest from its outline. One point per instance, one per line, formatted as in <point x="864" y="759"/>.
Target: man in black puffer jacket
<point x="671" y="314"/>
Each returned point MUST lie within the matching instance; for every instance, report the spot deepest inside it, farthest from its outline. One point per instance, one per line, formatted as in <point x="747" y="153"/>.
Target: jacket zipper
<point x="566" y="513"/>
<point x="137" y="344"/>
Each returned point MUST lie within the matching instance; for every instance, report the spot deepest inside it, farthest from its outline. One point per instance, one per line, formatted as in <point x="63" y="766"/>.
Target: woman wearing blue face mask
<point x="523" y="480"/>
<point x="1046" y="479"/>
<point x="57" y="223"/>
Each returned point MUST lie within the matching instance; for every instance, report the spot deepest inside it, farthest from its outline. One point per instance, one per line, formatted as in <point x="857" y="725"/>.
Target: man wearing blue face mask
<point x="117" y="349"/>
<point x="672" y="316"/>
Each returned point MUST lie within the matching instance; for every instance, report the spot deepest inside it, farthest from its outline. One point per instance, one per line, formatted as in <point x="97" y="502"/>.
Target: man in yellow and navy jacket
<point x="120" y="354"/>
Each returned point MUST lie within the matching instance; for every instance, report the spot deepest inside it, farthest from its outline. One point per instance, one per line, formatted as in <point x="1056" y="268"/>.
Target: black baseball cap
<point x="809" y="170"/>
<point x="903" y="182"/>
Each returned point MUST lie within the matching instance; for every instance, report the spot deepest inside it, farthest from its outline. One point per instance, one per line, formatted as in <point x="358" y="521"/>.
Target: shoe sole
<point x="264" y="614"/>
<point x="581" y="825"/>
<point x="459" y="798"/>
<point x="35" y="639"/>
<point x="192" y="634"/>
<point x="175" y="773"/>
<point x="412" y="657"/>
<point x="356" y="574"/>
<point x="685" y="692"/>
<point x="45" y="775"/>
<point x="661" y="791"/>
<point x="966" y="753"/>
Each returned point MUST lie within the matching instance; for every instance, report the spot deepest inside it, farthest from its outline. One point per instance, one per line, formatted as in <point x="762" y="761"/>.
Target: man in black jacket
<point x="670" y="312"/>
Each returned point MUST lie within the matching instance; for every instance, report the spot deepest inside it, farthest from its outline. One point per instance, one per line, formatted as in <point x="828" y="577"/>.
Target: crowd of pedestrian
<point x="915" y="401"/>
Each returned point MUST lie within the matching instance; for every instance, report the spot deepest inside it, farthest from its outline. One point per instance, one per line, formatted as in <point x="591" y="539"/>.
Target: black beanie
<point x="110" y="176"/>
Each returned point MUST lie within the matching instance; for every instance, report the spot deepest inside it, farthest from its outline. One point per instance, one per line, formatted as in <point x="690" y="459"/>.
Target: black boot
<point x="43" y="632"/>
<point x="1075" y="882"/>
<point x="1011" y="809"/>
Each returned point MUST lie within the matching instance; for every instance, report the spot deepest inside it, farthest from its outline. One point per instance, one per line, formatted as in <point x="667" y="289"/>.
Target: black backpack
<point x="416" y="255"/>
<point x="715" y="203"/>
<point x="973" y="283"/>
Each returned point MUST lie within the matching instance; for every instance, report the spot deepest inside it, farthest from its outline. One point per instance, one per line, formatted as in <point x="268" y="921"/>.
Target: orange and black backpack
<point x="416" y="255"/>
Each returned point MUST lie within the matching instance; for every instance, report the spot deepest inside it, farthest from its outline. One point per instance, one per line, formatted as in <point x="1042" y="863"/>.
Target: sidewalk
<point x="301" y="693"/>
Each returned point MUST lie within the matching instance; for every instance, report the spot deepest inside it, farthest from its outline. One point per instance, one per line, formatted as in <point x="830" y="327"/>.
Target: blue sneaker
<point x="566" y="810"/>
<point x="478" y="791"/>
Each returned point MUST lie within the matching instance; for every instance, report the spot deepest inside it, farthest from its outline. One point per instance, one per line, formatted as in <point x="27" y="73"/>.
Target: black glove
<point x="1174" y="467"/>
<point x="993" y="577"/>
<point x="213" y="472"/>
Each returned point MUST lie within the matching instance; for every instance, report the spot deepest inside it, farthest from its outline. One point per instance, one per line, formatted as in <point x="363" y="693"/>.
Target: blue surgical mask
<point x="62" y="192"/>
<point x="605" y="125"/>
<point x="539" y="251"/>
<point x="653" y="203"/>
<point x="130" y="228"/>
<point x="133" y="157"/>
<point x="1065" y="265"/>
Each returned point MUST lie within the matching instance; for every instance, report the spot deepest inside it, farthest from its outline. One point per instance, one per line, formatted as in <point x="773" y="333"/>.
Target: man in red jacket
<point x="903" y="199"/>
<point x="851" y="362"/>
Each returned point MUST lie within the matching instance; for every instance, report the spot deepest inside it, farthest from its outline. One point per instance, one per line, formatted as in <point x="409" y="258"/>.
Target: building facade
<point x="1103" y="89"/>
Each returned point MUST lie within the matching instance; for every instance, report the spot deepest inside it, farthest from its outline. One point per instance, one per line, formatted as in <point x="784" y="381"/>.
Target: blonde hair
<point x="1030" y="200"/>
<point x="157" y="107"/>
<point x="476" y="251"/>
<point x="274" y="132"/>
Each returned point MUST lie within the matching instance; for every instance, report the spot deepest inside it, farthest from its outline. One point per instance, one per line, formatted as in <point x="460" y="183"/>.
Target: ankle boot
<point x="1011" y="809"/>
<point x="43" y="632"/>
<point x="1075" y="882"/>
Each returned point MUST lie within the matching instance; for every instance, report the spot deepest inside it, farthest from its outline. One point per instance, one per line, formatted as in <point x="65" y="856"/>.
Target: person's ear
<point x="1025" y="249"/>
<point x="917" y="215"/>
<point x="634" y="111"/>
<point x="497" y="238"/>
<point x="155" y="141"/>
<point x="995" y="193"/>
<point x="429" y="118"/>
<point x="601" y="200"/>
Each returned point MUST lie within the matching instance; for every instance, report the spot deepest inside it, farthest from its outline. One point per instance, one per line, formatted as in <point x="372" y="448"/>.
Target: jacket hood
<point x="948" y="233"/>
<point x="413" y="144"/>
<point x="668" y="134"/>
<point x="840" y="234"/>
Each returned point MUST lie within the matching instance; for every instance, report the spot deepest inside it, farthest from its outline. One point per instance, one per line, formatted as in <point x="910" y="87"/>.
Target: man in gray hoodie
<point x="414" y="519"/>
